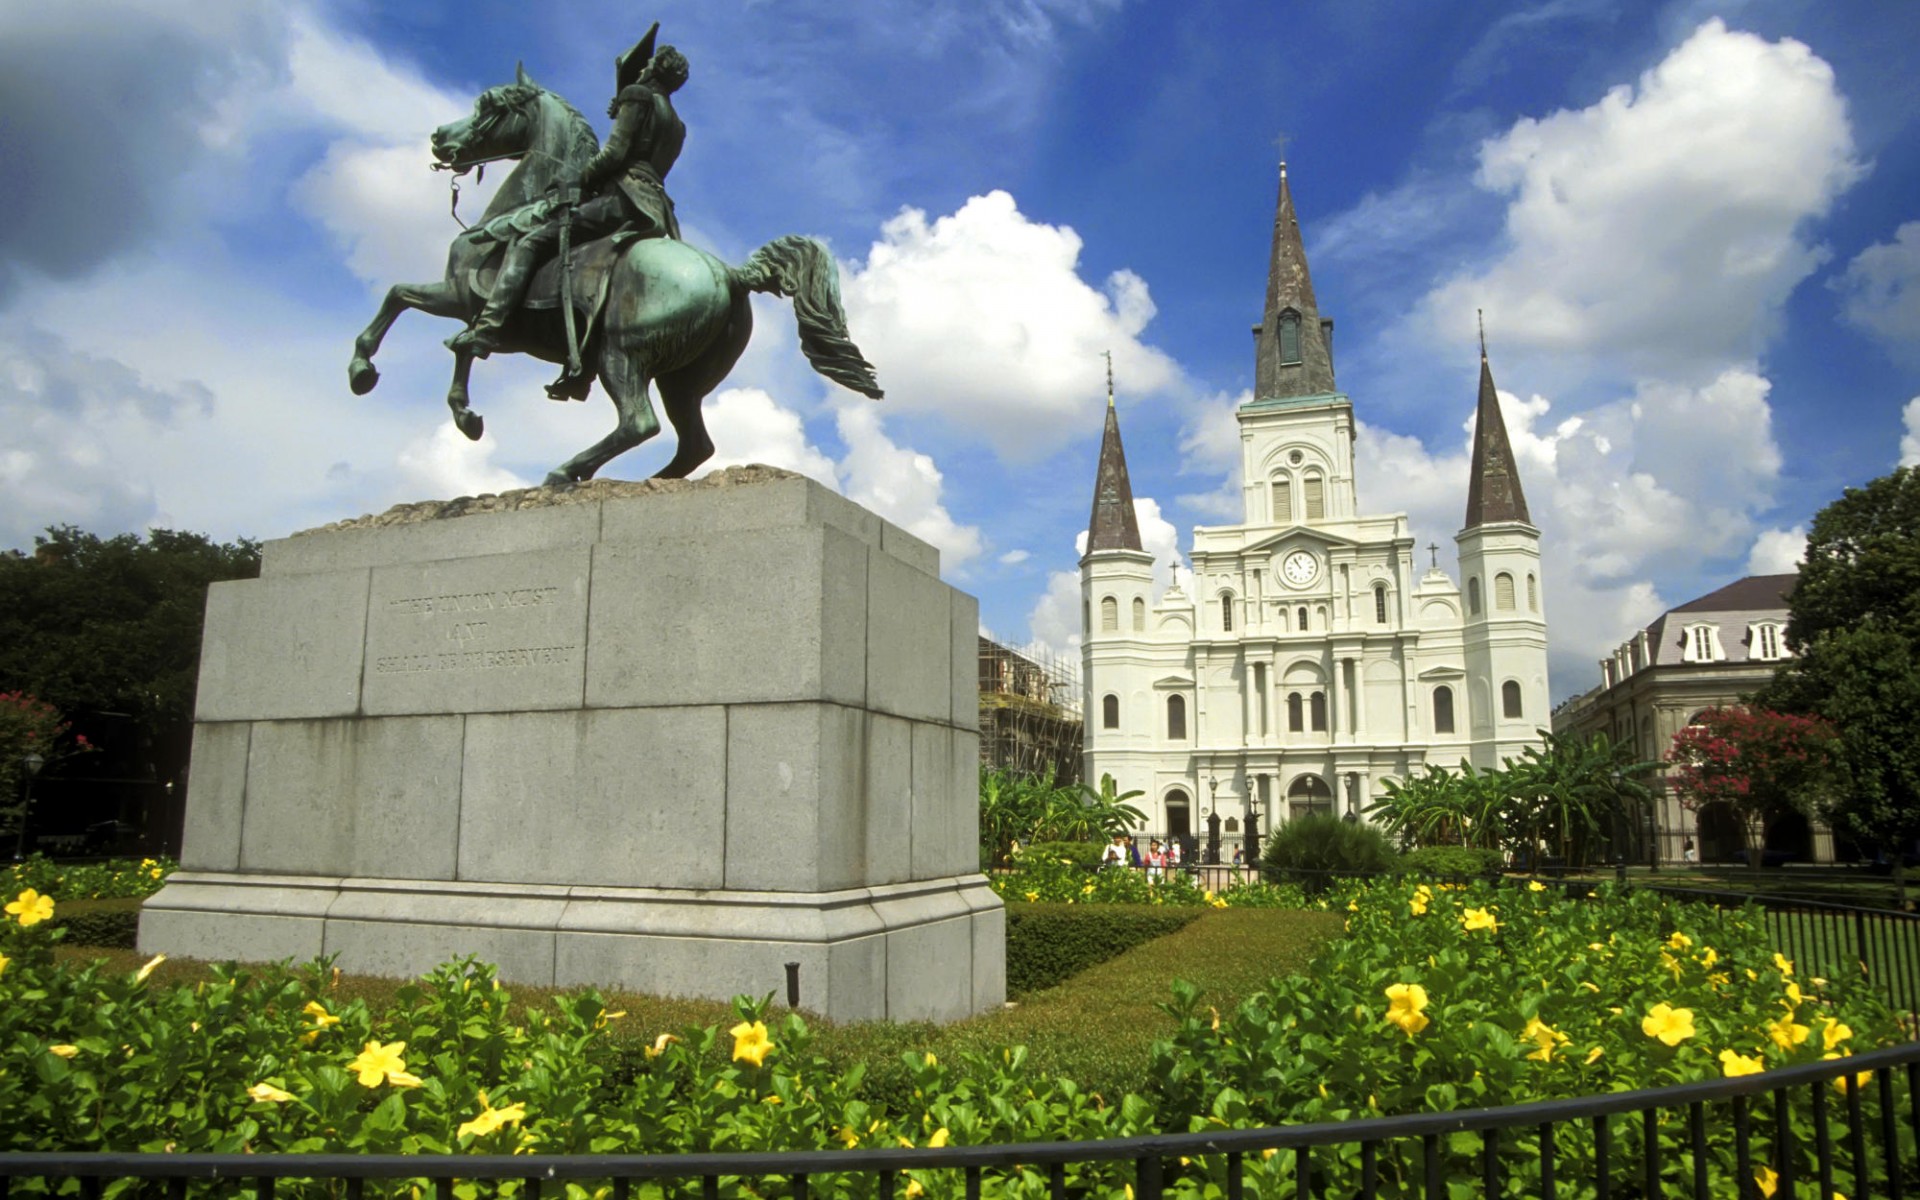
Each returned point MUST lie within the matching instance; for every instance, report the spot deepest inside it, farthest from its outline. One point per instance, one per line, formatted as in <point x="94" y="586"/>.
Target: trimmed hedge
<point x="1081" y="854"/>
<point x="1050" y="943"/>
<point x="1452" y="861"/>
<point x="113" y="924"/>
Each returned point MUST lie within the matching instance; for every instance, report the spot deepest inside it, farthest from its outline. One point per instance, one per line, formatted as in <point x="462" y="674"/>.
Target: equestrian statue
<point x="578" y="260"/>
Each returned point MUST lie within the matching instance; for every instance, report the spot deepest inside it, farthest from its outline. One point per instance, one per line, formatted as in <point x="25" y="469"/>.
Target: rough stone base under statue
<point x="665" y="736"/>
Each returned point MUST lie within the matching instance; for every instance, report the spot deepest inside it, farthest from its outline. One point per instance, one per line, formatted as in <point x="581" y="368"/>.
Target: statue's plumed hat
<point x="627" y="68"/>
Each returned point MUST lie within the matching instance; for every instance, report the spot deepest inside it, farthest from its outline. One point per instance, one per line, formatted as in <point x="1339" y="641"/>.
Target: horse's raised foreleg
<point x="625" y="379"/>
<point x="464" y="419"/>
<point x="440" y="299"/>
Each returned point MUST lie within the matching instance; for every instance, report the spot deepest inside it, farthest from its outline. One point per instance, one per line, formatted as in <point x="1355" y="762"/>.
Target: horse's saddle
<point x="591" y="266"/>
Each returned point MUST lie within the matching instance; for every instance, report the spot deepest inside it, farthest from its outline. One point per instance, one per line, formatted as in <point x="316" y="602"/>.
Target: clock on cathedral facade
<point x="1307" y="660"/>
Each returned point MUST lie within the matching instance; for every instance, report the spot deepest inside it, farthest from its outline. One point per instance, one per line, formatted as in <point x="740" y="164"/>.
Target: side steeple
<point x="1493" y="488"/>
<point x="1112" y="526"/>
<point x="1293" y="347"/>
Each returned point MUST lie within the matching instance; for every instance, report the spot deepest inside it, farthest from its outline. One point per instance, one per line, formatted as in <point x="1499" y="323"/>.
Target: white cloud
<point x="1880" y="288"/>
<point x="1637" y="489"/>
<point x="982" y="318"/>
<point x="901" y="485"/>
<point x="1661" y="227"/>
<point x="1014" y="558"/>
<point x="1777" y="551"/>
<point x="445" y="463"/>
<point x="1210" y="444"/>
<point x="1910" y="441"/>
<point x="749" y="426"/>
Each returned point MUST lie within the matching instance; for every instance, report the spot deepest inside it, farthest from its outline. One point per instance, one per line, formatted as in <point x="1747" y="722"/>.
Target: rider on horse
<point x="626" y="181"/>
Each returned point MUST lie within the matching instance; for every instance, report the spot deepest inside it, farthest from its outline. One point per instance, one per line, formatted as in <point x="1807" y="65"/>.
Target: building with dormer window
<point x="1711" y="652"/>
<point x="1309" y="659"/>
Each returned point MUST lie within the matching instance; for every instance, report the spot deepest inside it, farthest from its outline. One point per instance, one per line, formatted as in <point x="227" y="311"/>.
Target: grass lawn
<point x="1095" y="1028"/>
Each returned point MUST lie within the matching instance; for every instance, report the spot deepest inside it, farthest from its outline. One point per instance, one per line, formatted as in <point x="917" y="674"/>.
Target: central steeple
<point x="1493" y="487"/>
<point x="1293" y="347"/>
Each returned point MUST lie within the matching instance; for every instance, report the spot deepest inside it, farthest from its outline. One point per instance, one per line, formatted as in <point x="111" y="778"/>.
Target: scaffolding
<point x="1030" y="711"/>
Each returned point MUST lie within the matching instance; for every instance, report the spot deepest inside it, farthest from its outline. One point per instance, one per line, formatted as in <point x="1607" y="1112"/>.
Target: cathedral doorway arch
<point x="1179" y="814"/>
<point x="1308" y="794"/>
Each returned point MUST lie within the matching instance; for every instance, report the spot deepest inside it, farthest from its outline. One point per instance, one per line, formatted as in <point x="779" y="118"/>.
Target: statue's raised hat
<point x="627" y="68"/>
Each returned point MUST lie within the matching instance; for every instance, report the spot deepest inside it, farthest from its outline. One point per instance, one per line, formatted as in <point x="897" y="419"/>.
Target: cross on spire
<point x="1433" y="548"/>
<point x="1108" y="355"/>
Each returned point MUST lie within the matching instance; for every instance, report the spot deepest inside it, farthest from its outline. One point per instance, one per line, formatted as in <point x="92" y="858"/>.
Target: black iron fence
<point x="1849" y="1127"/>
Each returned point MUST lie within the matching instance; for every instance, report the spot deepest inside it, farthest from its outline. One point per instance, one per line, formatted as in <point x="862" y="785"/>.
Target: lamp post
<point x="1619" y="828"/>
<point x="32" y="762"/>
<point x="1253" y="829"/>
<point x="1213" y="823"/>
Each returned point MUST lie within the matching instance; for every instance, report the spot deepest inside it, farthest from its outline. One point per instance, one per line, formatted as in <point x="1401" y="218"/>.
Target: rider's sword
<point x="566" y="282"/>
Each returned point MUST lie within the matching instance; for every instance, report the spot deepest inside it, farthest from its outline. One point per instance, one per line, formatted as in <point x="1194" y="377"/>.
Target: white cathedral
<point x="1313" y="659"/>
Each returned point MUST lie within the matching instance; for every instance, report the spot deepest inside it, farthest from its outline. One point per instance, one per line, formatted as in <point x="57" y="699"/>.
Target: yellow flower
<point x="1784" y="963"/>
<point x="1536" y="886"/>
<point x="606" y="1018"/>
<point x="379" y="1064"/>
<point x="148" y="968"/>
<point x="1590" y="986"/>
<point x="914" y="1190"/>
<point x="1405" y="1002"/>
<point x="1419" y="906"/>
<point x="1767" y="1180"/>
<point x="1670" y="963"/>
<point x="1719" y="979"/>
<point x="1733" y="1063"/>
<point x="31" y="908"/>
<point x="847" y="1137"/>
<point x="1593" y="1056"/>
<point x="938" y="1139"/>
<point x="1087" y="890"/>
<point x="1671" y="1025"/>
<point x="4" y="960"/>
<point x="1543" y="1036"/>
<point x="491" y="1119"/>
<point x="1833" y="1033"/>
<point x="1859" y="1078"/>
<point x="156" y="872"/>
<point x="1785" y="1033"/>
<point x="321" y="1019"/>
<point x="750" y="1042"/>
<point x="1794" y="997"/>
<point x="1478" y="918"/>
<point x="1679" y="941"/>
<point x="66" y="1051"/>
<point x="1709" y="956"/>
<point x="1596" y="946"/>
<point x="931" y="1060"/>
<point x="772" y="1100"/>
<point x="660" y="1045"/>
<point x="266" y="1093"/>
<point x="1353" y="906"/>
<point x="1032" y="897"/>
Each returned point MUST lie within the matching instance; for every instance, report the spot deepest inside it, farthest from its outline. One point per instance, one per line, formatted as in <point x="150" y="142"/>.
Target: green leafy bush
<point x="105" y="923"/>
<point x="1452" y="862"/>
<point x="110" y="880"/>
<point x="1048" y="943"/>
<point x="1084" y="855"/>
<point x="1310" y="849"/>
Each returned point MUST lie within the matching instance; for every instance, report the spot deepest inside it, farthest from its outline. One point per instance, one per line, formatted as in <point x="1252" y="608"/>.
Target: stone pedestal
<point x="663" y="736"/>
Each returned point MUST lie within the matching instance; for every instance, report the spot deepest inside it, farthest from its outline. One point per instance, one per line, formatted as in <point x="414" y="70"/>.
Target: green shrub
<point x="1452" y="862"/>
<point x="1085" y="855"/>
<point x="112" y="924"/>
<point x="1049" y="943"/>
<point x="1310" y="849"/>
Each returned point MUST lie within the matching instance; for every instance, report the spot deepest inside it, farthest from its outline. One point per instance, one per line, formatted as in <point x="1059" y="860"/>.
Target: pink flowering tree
<point x="1758" y="762"/>
<point x="28" y="725"/>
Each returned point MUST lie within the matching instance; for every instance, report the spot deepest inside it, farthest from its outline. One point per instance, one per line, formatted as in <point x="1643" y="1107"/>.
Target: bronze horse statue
<point x="667" y="312"/>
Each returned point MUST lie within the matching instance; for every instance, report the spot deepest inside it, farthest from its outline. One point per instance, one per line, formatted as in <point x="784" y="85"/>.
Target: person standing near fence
<point x="1156" y="860"/>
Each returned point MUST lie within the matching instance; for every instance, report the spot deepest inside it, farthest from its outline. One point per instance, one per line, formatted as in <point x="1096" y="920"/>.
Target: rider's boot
<point x="509" y="286"/>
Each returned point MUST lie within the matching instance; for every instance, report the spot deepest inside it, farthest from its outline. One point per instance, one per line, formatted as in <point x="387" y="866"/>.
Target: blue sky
<point x="1693" y="227"/>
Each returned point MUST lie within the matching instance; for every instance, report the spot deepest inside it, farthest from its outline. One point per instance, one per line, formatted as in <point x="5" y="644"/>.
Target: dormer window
<point x="1701" y="643"/>
<point x="1765" y="641"/>
<point x="1289" y="338"/>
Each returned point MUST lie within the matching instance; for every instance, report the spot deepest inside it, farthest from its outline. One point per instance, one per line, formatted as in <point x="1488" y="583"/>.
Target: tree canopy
<point x="107" y="631"/>
<point x="1854" y="629"/>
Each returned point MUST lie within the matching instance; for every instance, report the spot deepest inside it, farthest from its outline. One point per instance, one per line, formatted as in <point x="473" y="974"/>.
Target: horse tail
<point x="801" y="269"/>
